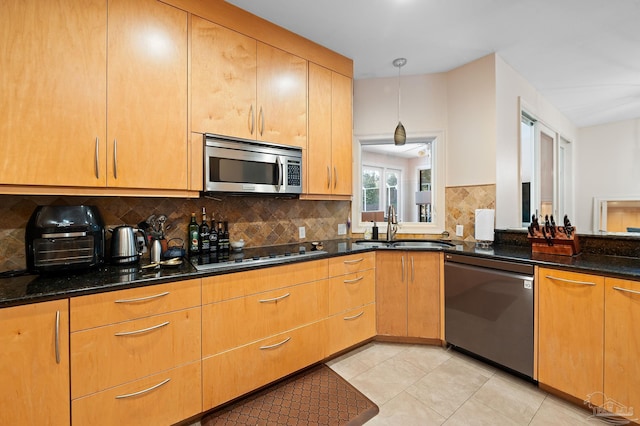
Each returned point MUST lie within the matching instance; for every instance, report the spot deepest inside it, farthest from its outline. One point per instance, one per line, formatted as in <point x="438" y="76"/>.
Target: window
<point x="408" y="177"/>
<point x="371" y="189"/>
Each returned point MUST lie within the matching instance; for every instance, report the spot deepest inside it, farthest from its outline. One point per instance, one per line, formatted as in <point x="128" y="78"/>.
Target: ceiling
<point x="583" y="56"/>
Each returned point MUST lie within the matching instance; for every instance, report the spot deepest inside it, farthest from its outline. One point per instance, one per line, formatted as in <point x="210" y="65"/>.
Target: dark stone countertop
<point x="27" y="289"/>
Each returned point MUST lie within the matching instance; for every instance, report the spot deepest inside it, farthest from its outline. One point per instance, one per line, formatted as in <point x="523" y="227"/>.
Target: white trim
<point x="438" y="185"/>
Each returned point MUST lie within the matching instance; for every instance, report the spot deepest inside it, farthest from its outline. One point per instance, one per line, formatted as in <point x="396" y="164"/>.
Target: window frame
<point x="437" y="226"/>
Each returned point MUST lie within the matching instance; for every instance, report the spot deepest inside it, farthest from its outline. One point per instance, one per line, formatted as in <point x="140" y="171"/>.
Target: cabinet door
<point x="571" y="332"/>
<point x="319" y="167"/>
<point x="223" y="81"/>
<point x="147" y="95"/>
<point x="423" y="294"/>
<point x="622" y="342"/>
<point x="165" y="398"/>
<point x="35" y="380"/>
<point x="350" y="328"/>
<point x="341" y="133"/>
<point x="53" y="85"/>
<point x="282" y="97"/>
<point x="329" y="154"/>
<point x="391" y="293"/>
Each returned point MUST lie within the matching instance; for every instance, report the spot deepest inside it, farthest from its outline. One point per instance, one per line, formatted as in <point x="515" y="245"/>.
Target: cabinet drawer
<point x="351" y="290"/>
<point x="233" y="373"/>
<point x="350" y="328"/>
<point x="239" y="284"/>
<point x="243" y="320"/>
<point x="124" y="305"/>
<point x="351" y="263"/>
<point x="108" y="356"/>
<point x="161" y="399"/>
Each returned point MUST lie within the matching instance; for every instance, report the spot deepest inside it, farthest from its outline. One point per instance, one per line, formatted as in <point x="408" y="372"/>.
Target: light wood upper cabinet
<point x="282" y="97"/>
<point x="35" y="383"/>
<point x="53" y="85"/>
<point x="622" y="343"/>
<point x="223" y="80"/>
<point x="408" y="294"/>
<point x="244" y="88"/>
<point x="63" y="90"/>
<point x="571" y="332"/>
<point x="147" y="95"/>
<point x="329" y="155"/>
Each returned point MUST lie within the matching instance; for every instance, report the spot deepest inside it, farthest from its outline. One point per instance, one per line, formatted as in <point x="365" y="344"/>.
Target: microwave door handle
<point x="279" y="179"/>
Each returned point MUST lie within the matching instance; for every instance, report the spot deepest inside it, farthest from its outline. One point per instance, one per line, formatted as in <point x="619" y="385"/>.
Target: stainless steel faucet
<point x="392" y="223"/>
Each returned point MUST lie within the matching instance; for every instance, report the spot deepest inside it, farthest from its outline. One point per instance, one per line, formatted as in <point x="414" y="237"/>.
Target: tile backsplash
<point x="258" y="220"/>
<point x="462" y="202"/>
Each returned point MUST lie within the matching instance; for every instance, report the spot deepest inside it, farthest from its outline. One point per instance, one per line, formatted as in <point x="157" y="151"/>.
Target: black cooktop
<point x="255" y="256"/>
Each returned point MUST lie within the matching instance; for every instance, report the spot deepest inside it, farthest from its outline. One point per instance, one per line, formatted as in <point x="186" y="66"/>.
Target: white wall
<point x="510" y="87"/>
<point x="477" y="107"/>
<point x="423" y="105"/>
<point x="471" y="135"/>
<point x="607" y="163"/>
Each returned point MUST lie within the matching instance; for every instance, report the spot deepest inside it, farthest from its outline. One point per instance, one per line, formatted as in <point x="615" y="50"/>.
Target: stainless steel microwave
<point x="248" y="167"/>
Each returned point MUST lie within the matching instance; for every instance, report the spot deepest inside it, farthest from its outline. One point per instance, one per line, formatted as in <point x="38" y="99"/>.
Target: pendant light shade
<point x="400" y="135"/>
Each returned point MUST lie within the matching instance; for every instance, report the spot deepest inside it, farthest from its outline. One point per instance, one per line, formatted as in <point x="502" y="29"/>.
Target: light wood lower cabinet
<point x="622" y="344"/>
<point x="350" y="328"/>
<point x="408" y="293"/>
<point x="161" y="399"/>
<point x="34" y="364"/>
<point x="239" y="321"/>
<point x="233" y="373"/>
<point x="571" y="332"/>
<point x="108" y="356"/>
<point x="351" y="301"/>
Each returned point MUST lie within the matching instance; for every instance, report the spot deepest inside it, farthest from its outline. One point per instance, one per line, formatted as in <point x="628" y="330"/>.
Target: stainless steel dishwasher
<point x="489" y="309"/>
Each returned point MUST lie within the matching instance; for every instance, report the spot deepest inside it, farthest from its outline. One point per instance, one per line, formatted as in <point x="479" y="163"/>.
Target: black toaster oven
<point x="60" y="238"/>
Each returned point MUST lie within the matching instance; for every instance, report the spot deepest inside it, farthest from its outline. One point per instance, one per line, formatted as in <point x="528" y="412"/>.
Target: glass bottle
<point x="203" y="241"/>
<point x="192" y="235"/>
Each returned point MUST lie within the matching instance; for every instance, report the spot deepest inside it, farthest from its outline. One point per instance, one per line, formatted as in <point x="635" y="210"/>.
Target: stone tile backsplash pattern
<point x="258" y="220"/>
<point x="462" y="202"/>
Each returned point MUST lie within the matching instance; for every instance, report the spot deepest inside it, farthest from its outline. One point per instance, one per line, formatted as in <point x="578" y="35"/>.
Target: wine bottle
<point x="192" y="235"/>
<point x="203" y="241"/>
<point x="213" y="239"/>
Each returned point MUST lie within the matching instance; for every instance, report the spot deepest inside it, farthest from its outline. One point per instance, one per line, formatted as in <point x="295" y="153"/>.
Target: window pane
<point x="371" y="189"/>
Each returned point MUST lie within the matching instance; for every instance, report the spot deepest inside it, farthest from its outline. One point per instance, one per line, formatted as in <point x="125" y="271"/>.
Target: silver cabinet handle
<point x="275" y="299"/>
<point x="351" y="262"/>
<point x="261" y="121"/>
<point x="275" y="345"/>
<point x="354" y="316"/>
<point x="355" y="280"/>
<point x="402" y="262"/>
<point x="252" y="120"/>
<point x="97" y="164"/>
<point x="141" y="299"/>
<point x="626" y="290"/>
<point x="115" y="158"/>
<point x="564" y="280"/>
<point x="412" y="270"/>
<point x="129" y="395"/>
<point x="58" y="337"/>
<point x="144" y="330"/>
<point x="335" y="177"/>
<point x="328" y="177"/>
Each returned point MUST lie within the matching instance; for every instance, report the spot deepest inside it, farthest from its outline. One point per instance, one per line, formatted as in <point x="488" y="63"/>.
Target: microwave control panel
<point x="293" y="174"/>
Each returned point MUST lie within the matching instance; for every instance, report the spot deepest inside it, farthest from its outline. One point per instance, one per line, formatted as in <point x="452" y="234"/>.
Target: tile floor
<point x="429" y="385"/>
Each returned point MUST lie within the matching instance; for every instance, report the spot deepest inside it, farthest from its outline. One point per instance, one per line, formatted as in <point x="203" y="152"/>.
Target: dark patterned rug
<point x="317" y="396"/>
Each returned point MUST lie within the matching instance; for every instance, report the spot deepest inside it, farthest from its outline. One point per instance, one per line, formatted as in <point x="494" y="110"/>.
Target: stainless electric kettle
<point x="124" y="246"/>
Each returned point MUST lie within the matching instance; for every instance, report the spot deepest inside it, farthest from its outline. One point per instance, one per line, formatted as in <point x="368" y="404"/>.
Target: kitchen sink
<point x="410" y="244"/>
<point x="421" y="244"/>
<point x="373" y="243"/>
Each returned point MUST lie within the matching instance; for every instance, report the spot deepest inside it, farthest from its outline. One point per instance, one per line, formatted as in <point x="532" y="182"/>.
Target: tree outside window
<point x="371" y="189"/>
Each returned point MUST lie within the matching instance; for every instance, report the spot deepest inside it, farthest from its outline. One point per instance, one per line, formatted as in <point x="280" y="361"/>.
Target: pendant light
<point x="400" y="135"/>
